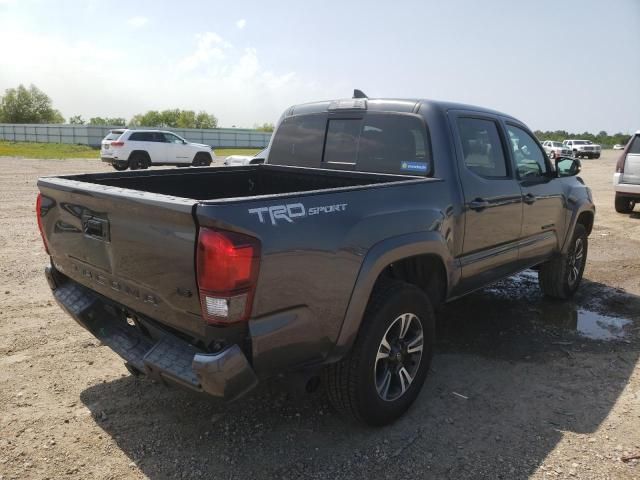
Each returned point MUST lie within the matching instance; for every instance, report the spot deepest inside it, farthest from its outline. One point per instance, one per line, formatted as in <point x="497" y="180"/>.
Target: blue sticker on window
<point x="419" y="167"/>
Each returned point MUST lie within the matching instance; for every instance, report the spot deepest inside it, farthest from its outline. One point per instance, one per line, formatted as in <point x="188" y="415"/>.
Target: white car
<point x="239" y="160"/>
<point x="626" y="180"/>
<point x="617" y="146"/>
<point x="556" y="149"/>
<point x="136" y="149"/>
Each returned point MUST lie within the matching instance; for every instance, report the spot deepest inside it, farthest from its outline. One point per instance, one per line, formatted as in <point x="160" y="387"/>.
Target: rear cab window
<point x="371" y="142"/>
<point x="635" y="145"/>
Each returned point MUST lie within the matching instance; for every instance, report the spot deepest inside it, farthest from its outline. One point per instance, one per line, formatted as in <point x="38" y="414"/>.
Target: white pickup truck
<point x="583" y="148"/>
<point x="136" y="149"/>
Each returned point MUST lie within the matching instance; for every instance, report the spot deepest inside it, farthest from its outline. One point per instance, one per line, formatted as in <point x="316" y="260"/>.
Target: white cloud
<point x="138" y="22"/>
<point x="229" y="82"/>
<point x="210" y="46"/>
<point x="241" y="23"/>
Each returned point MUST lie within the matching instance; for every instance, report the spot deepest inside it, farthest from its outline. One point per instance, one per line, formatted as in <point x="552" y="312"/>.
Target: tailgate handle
<point x="96" y="227"/>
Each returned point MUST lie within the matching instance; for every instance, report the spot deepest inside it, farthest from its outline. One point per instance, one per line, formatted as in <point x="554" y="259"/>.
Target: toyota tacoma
<point x="328" y="261"/>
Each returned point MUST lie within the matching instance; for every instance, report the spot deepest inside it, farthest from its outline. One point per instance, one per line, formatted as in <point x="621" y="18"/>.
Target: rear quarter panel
<point x="312" y="262"/>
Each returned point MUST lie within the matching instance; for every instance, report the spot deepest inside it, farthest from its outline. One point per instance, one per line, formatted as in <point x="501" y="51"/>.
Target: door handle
<point x="478" y="204"/>
<point x="529" y="198"/>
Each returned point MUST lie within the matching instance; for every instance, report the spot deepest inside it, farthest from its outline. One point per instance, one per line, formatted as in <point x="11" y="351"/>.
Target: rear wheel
<point x="202" y="159"/>
<point x="139" y="160"/>
<point x="624" y="204"/>
<point x="560" y="277"/>
<point x="382" y="375"/>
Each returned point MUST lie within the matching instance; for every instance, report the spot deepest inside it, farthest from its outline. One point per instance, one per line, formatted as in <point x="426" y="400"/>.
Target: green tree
<point x="108" y="121"/>
<point x="174" y="118"/>
<point x="206" y="120"/>
<point x="76" y="120"/>
<point x="265" y="127"/>
<point x="27" y="105"/>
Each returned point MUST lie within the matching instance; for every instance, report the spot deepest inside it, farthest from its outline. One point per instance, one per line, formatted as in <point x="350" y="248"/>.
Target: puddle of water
<point x="600" y="327"/>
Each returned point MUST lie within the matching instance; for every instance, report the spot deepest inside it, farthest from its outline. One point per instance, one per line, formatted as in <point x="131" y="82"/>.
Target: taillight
<point x="39" y="214"/>
<point x="117" y="144"/>
<point x="227" y="267"/>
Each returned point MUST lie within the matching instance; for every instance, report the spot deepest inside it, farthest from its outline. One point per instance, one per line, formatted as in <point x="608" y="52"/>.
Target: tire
<point x="139" y="160"/>
<point x="597" y="155"/>
<point x="119" y="167"/>
<point x="624" y="204"/>
<point x="374" y="390"/>
<point x="560" y="277"/>
<point x="202" y="159"/>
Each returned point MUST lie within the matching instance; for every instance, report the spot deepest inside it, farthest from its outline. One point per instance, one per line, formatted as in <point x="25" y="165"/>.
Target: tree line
<point x="32" y="105"/>
<point x="601" y="138"/>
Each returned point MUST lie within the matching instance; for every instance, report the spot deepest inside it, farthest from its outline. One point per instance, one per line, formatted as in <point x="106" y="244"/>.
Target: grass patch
<point x="225" y="152"/>
<point x="46" y="150"/>
<point x="63" y="150"/>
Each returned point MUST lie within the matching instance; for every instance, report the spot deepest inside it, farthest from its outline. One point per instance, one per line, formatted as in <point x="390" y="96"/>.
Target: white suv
<point x="136" y="149"/>
<point x="626" y="180"/>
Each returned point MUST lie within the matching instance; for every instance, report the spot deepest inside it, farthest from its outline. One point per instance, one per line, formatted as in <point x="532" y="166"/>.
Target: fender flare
<point x="580" y="208"/>
<point x="376" y="260"/>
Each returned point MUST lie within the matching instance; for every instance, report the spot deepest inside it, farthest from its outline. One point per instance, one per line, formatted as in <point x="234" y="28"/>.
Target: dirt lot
<point x="521" y="387"/>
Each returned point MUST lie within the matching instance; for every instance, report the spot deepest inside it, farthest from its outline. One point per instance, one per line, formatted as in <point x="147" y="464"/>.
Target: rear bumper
<point x="631" y="189"/>
<point x="226" y="374"/>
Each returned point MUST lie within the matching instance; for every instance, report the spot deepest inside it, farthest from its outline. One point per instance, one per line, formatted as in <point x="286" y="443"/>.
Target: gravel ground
<point x="521" y="387"/>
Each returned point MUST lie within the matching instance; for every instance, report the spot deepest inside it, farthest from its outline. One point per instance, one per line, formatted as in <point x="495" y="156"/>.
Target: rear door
<point x="492" y="197"/>
<point x="631" y="172"/>
<point x="133" y="247"/>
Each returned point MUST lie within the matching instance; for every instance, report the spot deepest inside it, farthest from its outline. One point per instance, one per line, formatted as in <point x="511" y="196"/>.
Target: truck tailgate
<point x="133" y="247"/>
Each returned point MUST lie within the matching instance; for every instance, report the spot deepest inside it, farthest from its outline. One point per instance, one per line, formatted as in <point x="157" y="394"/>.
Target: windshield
<point x="579" y="142"/>
<point x="557" y="144"/>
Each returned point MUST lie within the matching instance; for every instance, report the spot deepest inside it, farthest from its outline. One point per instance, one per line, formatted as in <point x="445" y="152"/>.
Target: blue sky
<point x="572" y="65"/>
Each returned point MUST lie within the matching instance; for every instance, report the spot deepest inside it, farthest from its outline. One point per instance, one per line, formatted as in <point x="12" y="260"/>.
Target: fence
<point x="92" y="135"/>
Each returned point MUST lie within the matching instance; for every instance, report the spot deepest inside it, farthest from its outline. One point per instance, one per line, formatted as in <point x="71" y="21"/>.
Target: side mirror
<point x="567" y="167"/>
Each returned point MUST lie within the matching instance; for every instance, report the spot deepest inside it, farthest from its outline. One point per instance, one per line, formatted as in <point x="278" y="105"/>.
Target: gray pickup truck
<point x="326" y="262"/>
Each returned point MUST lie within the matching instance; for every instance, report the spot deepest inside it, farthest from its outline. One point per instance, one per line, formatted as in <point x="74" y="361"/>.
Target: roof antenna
<point x="359" y="94"/>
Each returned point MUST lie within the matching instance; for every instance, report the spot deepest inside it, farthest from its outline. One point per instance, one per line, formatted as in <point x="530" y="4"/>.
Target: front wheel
<point x="120" y="167"/>
<point x="560" y="277"/>
<point x="202" y="159"/>
<point x="382" y="375"/>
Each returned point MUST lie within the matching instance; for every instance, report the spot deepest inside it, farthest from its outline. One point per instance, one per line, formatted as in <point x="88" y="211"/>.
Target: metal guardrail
<point x="92" y="135"/>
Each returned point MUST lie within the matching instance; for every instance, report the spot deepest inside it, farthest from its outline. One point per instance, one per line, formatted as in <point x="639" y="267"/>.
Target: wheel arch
<point x="422" y="259"/>
<point x="139" y="152"/>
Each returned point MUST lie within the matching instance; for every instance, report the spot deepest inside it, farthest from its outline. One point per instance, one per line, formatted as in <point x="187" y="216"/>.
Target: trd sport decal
<point x="291" y="211"/>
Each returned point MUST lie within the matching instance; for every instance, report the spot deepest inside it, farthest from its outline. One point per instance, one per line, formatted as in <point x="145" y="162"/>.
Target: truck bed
<point x="217" y="183"/>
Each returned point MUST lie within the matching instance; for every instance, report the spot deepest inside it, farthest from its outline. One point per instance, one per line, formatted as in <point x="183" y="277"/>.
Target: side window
<point x="482" y="148"/>
<point x="158" y="137"/>
<point x="135" y="137"/>
<point x="171" y="138"/>
<point x="635" y="146"/>
<point x="529" y="159"/>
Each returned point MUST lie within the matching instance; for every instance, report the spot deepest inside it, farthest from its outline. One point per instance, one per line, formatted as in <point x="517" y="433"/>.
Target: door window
<point x="530" y="161"/>
<point x="481" y="147"/>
